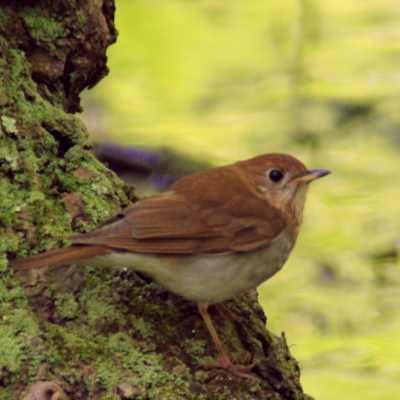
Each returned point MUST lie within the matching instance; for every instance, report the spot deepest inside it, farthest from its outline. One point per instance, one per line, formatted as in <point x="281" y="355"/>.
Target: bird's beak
<point x="312" y="175"/>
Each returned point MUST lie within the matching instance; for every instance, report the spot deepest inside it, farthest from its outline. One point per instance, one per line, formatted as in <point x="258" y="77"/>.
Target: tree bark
<point x="87" y="333"/>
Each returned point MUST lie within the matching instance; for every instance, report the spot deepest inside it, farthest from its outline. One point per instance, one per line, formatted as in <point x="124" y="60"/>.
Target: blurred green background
<point x="225" y="80"/>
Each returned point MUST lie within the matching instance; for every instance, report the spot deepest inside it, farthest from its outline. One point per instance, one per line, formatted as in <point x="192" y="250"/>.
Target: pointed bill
<point x="312" y="175"/>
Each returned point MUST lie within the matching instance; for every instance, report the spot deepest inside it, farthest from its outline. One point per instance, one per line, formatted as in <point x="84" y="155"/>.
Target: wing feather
<point x="186" y="220"/>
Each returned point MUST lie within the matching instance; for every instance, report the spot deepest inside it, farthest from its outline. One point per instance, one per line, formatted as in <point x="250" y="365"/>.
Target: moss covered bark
<point x="99" y="334"/>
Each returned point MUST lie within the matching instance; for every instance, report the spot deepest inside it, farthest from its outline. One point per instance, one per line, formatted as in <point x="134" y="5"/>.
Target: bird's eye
<point x="275" y="175"/>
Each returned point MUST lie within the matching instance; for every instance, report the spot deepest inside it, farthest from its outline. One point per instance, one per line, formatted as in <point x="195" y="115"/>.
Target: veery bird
<point x="213" y="235"/>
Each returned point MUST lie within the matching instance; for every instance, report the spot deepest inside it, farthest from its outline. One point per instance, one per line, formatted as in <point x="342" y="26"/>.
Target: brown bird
<point x="213" y="235"/>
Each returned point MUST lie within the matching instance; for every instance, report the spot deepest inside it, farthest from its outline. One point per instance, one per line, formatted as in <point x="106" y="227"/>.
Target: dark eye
<point x="275" y="175"/>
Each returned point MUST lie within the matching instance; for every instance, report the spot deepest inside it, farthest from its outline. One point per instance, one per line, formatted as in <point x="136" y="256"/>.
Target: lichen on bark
<point x="103" y="334"/>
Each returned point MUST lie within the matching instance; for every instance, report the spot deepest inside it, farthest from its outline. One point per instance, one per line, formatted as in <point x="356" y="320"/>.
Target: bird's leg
<point x="225" y="362"/>
<point x="207" y="319"/>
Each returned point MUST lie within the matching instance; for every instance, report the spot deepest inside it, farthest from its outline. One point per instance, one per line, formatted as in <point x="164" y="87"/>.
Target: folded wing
<point x="185" y="220"/>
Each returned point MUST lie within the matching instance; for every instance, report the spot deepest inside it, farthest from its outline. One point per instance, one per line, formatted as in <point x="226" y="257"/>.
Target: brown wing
<point x="211" y="212"/>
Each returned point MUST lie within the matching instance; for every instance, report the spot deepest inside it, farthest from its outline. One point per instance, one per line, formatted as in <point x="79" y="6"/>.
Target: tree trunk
<point x="84" y="332"/>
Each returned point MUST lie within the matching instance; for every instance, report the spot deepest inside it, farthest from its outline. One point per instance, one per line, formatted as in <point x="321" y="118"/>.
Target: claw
<point x="223" y="310"/>
<point x="241" y="371"/>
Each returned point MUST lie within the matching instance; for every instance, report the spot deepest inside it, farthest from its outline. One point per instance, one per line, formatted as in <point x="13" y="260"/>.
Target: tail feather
<point x="58" y="256"/>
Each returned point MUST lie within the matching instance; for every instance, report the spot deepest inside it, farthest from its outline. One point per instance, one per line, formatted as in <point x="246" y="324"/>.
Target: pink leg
<point x="225" y="363"/>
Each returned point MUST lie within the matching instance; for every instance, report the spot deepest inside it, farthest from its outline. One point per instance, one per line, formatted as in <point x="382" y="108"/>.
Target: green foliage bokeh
<point x="223" y="81"/>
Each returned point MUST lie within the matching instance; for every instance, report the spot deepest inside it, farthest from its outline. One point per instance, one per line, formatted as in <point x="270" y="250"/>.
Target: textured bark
<point x="98" y="334"/>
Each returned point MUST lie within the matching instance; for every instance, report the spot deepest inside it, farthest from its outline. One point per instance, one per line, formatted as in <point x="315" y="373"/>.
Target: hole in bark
<point x="273" y="372"/>
<point x="28" y="97"/>
<point x="264" y="343"/>
<point x="48" y="394"/>
<point x="64" y="143"/>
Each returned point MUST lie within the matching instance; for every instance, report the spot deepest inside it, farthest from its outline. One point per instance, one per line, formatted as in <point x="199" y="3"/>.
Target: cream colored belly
<point x="212" y="279"/>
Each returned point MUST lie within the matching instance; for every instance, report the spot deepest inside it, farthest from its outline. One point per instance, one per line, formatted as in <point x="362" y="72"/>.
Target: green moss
<point x="45" y="30"/>
<point x="3" y="18"/>
<point x="194" y="347"/>
<point x="144" y="327"/>
<point x="100" y="308"/>
<point x="20" y="344"/>
<point x="9" y="124"/>
<point x="66" y="305"/>
<point x="80" y="17"/>
<point x="137" y="364"/>
<point x="10" y="204"/>
<point x="35" y="167"/>
<point x="9" y="242"/>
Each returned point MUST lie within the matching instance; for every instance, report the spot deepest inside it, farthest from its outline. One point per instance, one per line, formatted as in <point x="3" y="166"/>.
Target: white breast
<point x="211" y="279"/>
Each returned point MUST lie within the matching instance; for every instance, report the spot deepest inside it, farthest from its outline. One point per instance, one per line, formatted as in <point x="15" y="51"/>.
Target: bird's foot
<point x="241" y="371"/>
<point x="226" y="312"/>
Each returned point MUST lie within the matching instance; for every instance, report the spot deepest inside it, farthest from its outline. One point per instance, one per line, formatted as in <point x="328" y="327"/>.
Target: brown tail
<point x="58" y="256"/>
